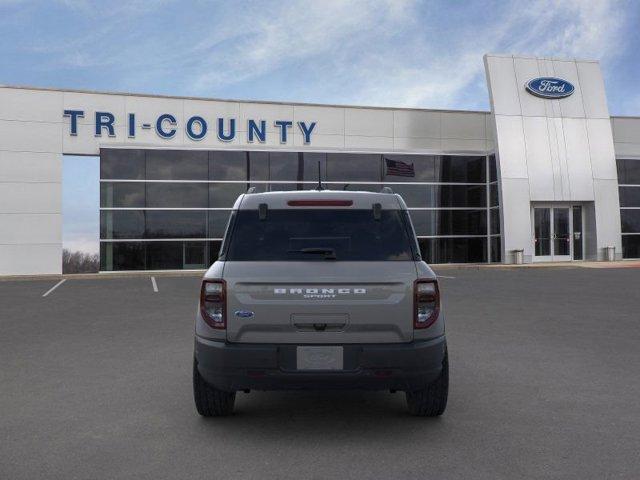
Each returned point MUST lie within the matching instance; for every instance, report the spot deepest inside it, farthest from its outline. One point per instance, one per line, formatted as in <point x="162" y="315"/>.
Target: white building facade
<point x="547" y="174"/>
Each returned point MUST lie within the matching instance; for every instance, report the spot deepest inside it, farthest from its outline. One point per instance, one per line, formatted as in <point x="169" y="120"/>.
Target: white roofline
<point x="231" y="100"/>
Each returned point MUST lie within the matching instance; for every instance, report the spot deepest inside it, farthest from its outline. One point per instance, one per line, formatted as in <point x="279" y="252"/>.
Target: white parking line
<point x="444" y="276"/>
<point x="54" y="287"/>
<point x="154" y="284"/>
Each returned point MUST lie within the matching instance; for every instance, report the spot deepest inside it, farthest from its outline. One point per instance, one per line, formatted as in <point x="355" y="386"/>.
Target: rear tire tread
<point x="431" y="401"/>
<point x="211" y="402"/>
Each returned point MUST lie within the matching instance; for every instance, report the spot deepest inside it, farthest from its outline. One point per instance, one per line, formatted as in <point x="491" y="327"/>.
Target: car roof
<point x="359" y="200"/>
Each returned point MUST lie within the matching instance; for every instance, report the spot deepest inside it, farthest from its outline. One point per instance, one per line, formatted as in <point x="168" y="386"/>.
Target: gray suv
<point x="320" y="290"/>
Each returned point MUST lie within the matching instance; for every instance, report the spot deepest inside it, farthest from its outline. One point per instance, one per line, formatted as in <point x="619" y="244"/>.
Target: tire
<point x="210" y="402"/>
<point x="431" y="401"/>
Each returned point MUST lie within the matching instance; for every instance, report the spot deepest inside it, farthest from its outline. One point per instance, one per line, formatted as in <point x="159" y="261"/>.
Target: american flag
<point x="399" y="169"/>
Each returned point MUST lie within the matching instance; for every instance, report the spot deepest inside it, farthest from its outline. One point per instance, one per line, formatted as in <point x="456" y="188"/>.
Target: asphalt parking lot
<point x="95" y="382"/>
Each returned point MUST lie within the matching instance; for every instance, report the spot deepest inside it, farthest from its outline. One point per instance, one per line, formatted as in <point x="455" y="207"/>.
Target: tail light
<point x="426" y="303"/>
<point x="213" y="303"/>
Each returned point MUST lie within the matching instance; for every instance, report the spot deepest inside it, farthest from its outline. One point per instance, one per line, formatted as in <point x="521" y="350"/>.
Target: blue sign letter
<point x="232" y="130"/>
<point x="306" y="131"/>
<point x="74" y="114"/>
<point x="132" y="125"/>
<point x="159" y="127"/>
<point x="260" y="132"/>
<point x="105" y="120"/>
<point x="203" y="128"/>
<point x="283" y="125"/>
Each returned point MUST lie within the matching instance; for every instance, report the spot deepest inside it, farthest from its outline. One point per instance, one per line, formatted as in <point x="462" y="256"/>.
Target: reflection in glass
<point x="228" y="165"/>
<point x="630" y="221"/>
<point x="121" y="224"/>
<point x="177" y="195"/>
<point x="449" y="222"/>
<point x="578" y="239"/>
<point x="561" y="235"/>
<point x="175" y="224"/>
<point x="218" y="222"/>
<point x="356" y="167"/>
<point x="631" y="246"/>
<point x="224" y="195"/>
<point x="125" y="164"/>
<point x="128" y="195"/>
<point x="542" y="229"/>
<point x="122" y="256"/>
<point x="177" y="165"/>
<point x="430" y="196"/>
<point x="628" y="171"/>
<point x="453" y="250"/>
<point x="629" y="196"/>
<point x="285" y="166"/>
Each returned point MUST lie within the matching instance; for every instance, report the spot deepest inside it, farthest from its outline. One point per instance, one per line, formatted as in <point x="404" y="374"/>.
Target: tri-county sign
<point x="549" y="87"/>
<point x="196" y="127"/>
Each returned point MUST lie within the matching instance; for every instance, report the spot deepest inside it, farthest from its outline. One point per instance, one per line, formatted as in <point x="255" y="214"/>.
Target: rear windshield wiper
<point x="329" y="253"/>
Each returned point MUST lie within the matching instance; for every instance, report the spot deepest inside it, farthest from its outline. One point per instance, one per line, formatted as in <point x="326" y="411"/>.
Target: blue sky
<point x="372" y="52"/>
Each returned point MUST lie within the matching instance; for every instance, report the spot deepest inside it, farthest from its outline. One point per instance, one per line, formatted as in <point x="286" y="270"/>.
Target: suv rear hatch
<point x="306" y="275"/>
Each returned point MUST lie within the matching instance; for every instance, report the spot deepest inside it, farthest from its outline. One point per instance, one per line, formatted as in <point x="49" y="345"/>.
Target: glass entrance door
<point x="561" y="250"/>
<point x="557" y="232"/>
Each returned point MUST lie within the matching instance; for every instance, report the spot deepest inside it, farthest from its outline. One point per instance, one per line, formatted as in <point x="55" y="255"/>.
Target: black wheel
<point x="211" y="402"/>
<point x="432" y="401"/>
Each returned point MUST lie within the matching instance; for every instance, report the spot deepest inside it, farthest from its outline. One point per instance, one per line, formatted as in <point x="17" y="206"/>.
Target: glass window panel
<point x="214" y="251"/>
<point x="224" y="195"/>
<point x="409" y="168"/>
<point x="165" y="255"/>
<point x="439" y="196"/>
<point x="285" y="187"/>
<point x="228" y="165"/>
<point x="351" y="187"/>
<point x="496" y="249"/>
<point x="310" y="166"/>
<point x="176" y="224"/>
<point x="122" y="256"/>
<point x="357" y="167"/>
<point x="542" y="231"/>
<point x="195" y="255"/>
<point x="494" y="198"/>
<point x="177" y="165"/>
<point x="495" y="220"/>
<point x="285" y="166"/>
<point x="129" y="195"/>
<point x="630" y="221"/>
<point x="449" y="222"/>
<point x="629" y="196"/>
<point x="454" y="250"/>
<point x="464" y="169"/>
<point x="628" y="171"/>
<point x="126" y="164"/>
<point x="258" y="165"/>
<point x="177" y="195"/>
<point x="493" y="169"/>
<point x="121" y="224"/>
<point x="630" y="246"/>
<point x="218" y="220"/>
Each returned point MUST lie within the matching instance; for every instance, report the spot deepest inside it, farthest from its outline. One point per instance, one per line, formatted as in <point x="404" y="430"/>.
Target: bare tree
<point x="80" y="262"/>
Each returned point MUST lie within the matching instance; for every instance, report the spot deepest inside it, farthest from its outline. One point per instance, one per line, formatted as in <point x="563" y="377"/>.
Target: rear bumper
<point x="406" y="366"/>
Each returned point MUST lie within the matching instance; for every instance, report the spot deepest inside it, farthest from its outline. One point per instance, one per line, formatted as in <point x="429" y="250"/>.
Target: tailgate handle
<point x="319" y="323"/>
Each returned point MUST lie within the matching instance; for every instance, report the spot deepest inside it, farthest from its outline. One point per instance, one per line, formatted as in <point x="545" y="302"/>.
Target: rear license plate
<point x="319" y="358"/>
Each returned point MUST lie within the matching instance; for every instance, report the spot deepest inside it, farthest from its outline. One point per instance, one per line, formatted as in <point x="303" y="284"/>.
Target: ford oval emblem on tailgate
<point x="243" y="314"/>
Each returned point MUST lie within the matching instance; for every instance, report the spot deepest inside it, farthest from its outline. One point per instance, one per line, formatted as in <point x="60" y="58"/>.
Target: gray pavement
<point x="95" y="382"/>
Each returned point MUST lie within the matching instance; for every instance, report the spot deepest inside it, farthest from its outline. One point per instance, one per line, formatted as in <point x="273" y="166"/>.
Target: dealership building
<point x="546" y="175"/>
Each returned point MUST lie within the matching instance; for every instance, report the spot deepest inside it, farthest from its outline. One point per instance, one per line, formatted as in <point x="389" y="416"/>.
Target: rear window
<point x="319" y="234"/>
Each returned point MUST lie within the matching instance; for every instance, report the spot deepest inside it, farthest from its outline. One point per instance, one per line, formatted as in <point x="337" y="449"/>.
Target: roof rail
<point x="251" y="190"/>
<point x="386" y="190"/>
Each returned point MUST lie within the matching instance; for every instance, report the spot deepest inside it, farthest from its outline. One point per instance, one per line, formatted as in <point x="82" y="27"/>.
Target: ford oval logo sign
<point x="243" y="313"/>
<point x="549" y="87"/>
